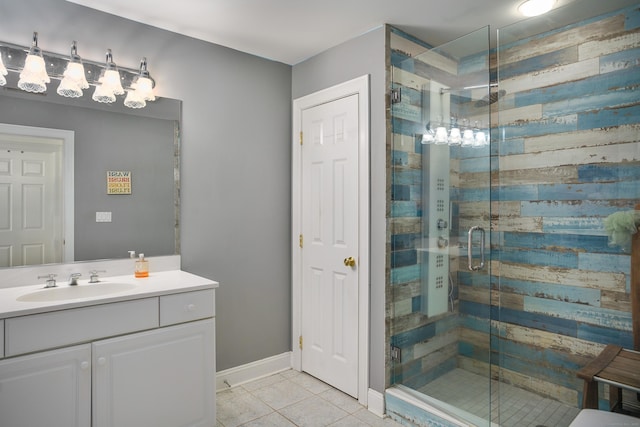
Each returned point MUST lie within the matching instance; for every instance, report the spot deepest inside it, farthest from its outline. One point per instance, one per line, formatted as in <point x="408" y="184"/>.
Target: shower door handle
<point x="470" y="247"/>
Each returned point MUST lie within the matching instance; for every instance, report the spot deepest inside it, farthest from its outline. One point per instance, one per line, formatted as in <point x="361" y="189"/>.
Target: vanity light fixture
<point x="34" y="77"/>
<point x="37" y="67"/>
<point x="536" y="7"/>
<point x="74" y="79"/>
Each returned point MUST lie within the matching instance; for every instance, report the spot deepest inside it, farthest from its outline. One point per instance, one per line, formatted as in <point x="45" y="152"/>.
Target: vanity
<point x="136" y="352"/>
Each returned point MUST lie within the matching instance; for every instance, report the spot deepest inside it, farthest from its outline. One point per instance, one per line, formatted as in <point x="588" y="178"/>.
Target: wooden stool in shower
<point x="615" y="366"/>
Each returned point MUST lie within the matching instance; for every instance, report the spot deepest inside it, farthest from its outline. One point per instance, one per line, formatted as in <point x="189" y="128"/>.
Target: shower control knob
<point x="442" y="242"/>
<point x="442" y="224"/>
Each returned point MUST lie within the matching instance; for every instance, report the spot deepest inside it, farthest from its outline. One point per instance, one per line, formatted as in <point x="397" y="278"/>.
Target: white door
<point x="48" y="389"/>
<point x="329" y="224"/>
<point x="31" y="212"/>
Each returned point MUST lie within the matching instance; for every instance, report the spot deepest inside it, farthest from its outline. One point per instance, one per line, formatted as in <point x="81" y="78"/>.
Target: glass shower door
<point x="440" y="283"/>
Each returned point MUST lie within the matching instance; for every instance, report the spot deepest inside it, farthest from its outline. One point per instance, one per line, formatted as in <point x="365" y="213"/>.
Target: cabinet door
<point x="47" y="389"/>
<point x="161" y="378"/>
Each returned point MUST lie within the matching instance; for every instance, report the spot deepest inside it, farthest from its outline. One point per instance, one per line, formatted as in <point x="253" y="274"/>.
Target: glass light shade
<point x="69" y="88"/>
<point x="144" y="87"/>
<point x="134" y="99"/>
<point x="103" y="94"/>
<point x="73" y="81"/>
<point x="455" y="138"/>
<point x="34" y="77"/>
<point x="441" y="135"/>
<point x="467" y="138"/>
<point x="481" y="140"/>
<point x="427" y="138"/>
<point x="111" y="81"/>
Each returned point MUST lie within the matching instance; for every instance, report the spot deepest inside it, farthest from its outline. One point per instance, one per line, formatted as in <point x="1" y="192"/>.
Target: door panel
<point x="330" y="220"/>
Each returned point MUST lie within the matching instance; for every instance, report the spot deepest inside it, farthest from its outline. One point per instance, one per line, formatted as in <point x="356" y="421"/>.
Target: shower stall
<point x="504" y="163"/>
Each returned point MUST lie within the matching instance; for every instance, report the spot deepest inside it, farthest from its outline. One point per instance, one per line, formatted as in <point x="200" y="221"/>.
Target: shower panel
<point x="436" y="194"/>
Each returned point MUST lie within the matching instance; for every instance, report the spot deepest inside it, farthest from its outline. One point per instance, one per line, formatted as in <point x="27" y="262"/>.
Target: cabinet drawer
<point x="185" y="307"/>
<point x="1" y="339"/>
<point x="59" y="328"/>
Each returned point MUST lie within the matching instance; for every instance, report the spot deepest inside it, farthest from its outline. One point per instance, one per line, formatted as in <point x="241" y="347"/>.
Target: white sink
<point x="75" y="292"/>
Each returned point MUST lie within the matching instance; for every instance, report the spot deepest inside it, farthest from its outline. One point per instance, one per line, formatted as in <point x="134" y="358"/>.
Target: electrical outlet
<point x="103" y="216"/>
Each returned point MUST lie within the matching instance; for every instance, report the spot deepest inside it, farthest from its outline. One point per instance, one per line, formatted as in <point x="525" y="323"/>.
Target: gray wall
<point x="143" y="220"/>
<point x="235" y="160"/>
<point x="357" y="57"/>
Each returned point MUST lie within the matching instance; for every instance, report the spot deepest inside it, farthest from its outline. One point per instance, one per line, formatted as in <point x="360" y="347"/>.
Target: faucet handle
<point x="51" y="282"/>
<point x="73" y="279"/>
<point x="93" y="275"/>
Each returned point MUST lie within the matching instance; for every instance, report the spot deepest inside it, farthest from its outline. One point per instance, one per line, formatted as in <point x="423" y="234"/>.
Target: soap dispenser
<point x="142" y="267"/>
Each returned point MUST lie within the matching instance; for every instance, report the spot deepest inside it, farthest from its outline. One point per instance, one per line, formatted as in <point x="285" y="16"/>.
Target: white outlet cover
<point x="103" y="216"/>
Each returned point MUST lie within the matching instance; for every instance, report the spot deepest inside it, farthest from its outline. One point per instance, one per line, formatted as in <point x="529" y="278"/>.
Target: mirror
<point x="106" y="137"/>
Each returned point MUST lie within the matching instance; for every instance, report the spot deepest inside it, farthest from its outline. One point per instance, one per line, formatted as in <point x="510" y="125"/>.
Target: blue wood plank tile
<point x="539" y="257"/>
<point x="540" y="321"/>
<point x="604" y="335"/>
<point x="403" y="258"/>
<point x="405" y="274"/>
<point x="586" y="208"/>
<point x="591" y="191"/>
<point x="607" y="118"/>
<point x="413" y="336"/>
<point x="609" y="173"/>
<point x="578" y="312"/>
<point x="568" y="294"/>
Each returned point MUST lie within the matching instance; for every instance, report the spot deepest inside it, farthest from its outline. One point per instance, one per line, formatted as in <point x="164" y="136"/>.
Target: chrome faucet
<point x="73" y="279"/>
<point x="51" y="282"/>
<point x="93" y="275"/>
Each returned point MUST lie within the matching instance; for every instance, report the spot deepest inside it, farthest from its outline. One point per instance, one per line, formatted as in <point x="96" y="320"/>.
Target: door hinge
<point x="396" y="95"/>
<point x="300" y="342"/>
<point x="396" y="354"/>
<point x="301" y="138"/>
<point x="300" y="240"/>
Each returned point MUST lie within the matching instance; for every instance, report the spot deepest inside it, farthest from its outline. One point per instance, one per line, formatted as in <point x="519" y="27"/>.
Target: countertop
<point x="160" y="283"/>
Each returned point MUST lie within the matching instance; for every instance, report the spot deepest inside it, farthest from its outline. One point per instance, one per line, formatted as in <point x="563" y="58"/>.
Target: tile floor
<point x="517" y="407"/>
<point x="291" y="399"/>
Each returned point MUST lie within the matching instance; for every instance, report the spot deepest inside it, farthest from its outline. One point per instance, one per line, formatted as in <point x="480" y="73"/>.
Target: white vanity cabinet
<point x="50" y="388"/>
<point x="161" y="378"/>
<point x="137" y="362"/>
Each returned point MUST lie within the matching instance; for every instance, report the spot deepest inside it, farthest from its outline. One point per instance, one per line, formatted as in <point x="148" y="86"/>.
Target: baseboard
<point x="376" y="402"/>
<point x="252" y="371"/>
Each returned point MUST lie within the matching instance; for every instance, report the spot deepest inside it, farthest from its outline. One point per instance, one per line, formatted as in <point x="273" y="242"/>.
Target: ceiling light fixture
<point x="536" y="7"/>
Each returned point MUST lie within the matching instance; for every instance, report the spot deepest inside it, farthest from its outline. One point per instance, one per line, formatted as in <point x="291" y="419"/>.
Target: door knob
<point x="350" y="262"/>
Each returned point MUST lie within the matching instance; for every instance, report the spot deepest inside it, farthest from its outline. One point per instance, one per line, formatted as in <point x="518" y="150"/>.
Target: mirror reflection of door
<point x="31" y="198"/>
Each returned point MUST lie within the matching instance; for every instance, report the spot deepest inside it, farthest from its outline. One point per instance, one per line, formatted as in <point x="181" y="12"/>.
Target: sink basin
<point x="75" y="292"/>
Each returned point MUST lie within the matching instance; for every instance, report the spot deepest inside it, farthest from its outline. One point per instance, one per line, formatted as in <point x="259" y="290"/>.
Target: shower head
<point x="491" y="98"/>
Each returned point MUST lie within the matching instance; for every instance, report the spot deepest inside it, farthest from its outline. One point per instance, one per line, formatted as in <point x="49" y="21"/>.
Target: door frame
<point x="50" y="136"/>
<point x="359" y="86"/>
